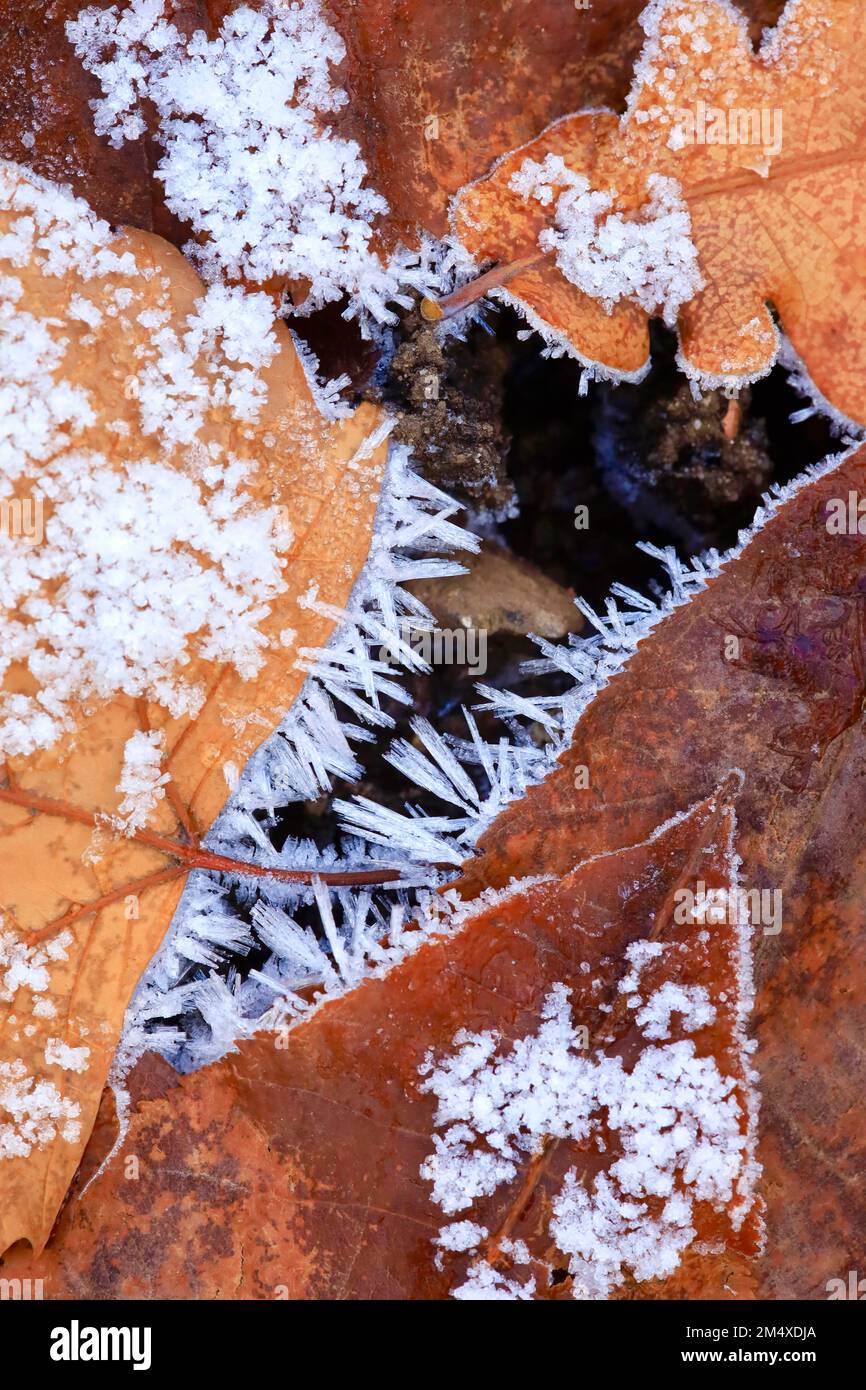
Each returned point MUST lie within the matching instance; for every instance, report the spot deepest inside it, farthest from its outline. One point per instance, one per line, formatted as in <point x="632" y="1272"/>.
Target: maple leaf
<point x="192" y="504"/>
<point x="715" y="771"/>
<point x="760" y="153"/>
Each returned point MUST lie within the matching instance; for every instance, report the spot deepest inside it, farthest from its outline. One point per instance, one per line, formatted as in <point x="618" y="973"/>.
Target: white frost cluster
<point x="58" y="1053"/>
<point x="37" y="1112"/>
<point x="488" y="1285"/>
<point x="691" y="1001"/>
<point x="142" y="564"/>
<point x="28" y="967"/>
<point x="139" y="571"/>
<point x="680" y="1128"/>
<point x="142" y="783"/>
<point x="650" y="259"/>
<point x="229" y="330"/>
<point x="248" y="161"/>
<point x="33" y="1112"/>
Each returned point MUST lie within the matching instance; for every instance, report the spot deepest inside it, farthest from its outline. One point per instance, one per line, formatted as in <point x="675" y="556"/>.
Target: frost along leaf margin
<point x="765" y="152"/>
<point x="197" y="996"/>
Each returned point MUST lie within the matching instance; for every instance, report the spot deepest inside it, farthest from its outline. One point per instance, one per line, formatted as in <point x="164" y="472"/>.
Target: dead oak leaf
<point x="173" y="502"/>
<point x="767" y="150"/>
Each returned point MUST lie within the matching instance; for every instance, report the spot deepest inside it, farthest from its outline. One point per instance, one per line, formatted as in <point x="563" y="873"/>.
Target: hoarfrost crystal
<point x="249" y="161"/>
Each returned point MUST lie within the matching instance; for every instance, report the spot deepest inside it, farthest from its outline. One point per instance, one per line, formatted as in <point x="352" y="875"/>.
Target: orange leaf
<point x="135" y="415"/>
<point x="768" y="154"/>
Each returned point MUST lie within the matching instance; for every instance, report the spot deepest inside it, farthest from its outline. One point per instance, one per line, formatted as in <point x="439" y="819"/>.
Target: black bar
<point x="619" y="1337"/>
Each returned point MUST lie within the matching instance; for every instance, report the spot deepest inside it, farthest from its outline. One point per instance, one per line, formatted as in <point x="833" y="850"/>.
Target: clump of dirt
<point x="692" y="467"/>
<point x="449" y="403"/>
<point x="711" y="448"/>
<point x="569" y="523"/>
<point x="695" y="466"/>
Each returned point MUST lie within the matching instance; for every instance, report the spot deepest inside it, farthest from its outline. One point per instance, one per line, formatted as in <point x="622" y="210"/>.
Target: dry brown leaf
<point x="439" y="90"/>
<point x="501" y="594"/>
<point x="293" y="1169"/>
<point x="771" y="166"/>
<point x="114" y="909"/>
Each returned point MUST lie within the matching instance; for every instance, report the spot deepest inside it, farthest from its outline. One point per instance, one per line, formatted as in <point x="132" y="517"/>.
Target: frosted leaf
<point x="649" y="259"/>
<point x="249" y="160"/>
<point x="681" y="1133"/>
<point x="138" y="563"/>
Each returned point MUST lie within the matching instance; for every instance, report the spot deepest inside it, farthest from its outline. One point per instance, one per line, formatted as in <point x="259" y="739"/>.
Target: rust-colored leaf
<point x="294" y="1168"/>
<point x="47" y="123"/>
<point x="767" y="149"/>
<point x="341" y="1121"/>
<point x="79" y="901"/>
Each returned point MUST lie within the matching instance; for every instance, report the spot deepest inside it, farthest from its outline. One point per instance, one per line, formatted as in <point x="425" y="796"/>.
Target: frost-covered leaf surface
<point x="46" y="120"/>
<point x="249" y="160"/>
<point x="554" y="1094"/>
<point x="186" y="508"/>
<point x="760" y="158"/>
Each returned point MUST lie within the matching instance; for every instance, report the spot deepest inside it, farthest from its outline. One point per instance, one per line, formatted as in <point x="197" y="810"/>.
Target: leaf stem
<point x="434" y="310"/>
<point x="194" y="857"/>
